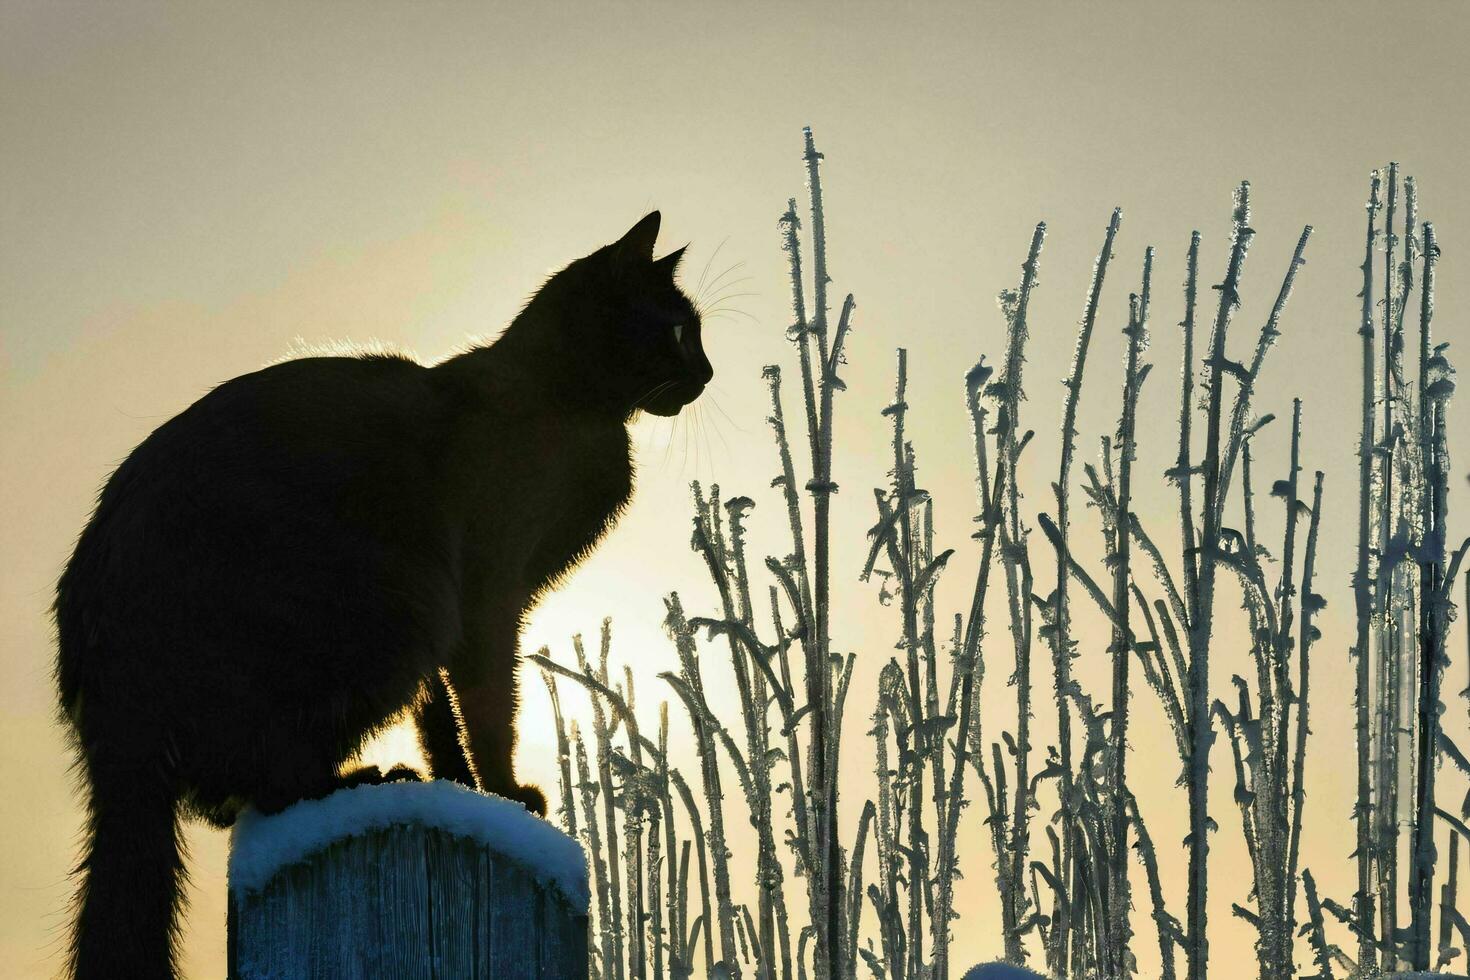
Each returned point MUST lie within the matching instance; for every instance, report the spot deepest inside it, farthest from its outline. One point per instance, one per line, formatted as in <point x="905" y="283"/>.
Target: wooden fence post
<point x="406" y="880"/>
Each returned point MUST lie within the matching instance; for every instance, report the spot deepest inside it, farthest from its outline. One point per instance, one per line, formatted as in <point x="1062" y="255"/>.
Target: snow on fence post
<point x="406" y="880"/>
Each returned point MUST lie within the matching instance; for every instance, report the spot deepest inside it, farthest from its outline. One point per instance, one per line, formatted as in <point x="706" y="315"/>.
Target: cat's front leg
<point x="482" y="677"/>
<point x="440" y="731"/>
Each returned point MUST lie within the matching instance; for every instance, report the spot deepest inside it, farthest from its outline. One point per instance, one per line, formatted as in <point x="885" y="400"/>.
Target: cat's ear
<point x="636" y="247"/>
<point x="669" y="264"/>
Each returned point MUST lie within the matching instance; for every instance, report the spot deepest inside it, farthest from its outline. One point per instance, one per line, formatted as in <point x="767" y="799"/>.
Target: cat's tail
<point x="132" y="869"/>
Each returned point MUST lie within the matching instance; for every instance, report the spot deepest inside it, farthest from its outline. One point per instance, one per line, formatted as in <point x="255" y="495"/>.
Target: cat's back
<point x="323" y="423"/>
<point x="326" y="460"/>
<point x="315" y="407"/>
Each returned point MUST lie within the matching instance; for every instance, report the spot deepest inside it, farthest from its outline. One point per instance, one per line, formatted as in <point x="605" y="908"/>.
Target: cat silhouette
<point x="309" y="550"/>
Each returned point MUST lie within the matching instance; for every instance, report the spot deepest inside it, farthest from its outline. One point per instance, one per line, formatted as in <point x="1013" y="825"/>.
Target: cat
<point x="308" y="551"/>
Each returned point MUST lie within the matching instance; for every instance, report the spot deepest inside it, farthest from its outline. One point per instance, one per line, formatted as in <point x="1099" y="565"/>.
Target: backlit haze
<point x="190" y="192"/>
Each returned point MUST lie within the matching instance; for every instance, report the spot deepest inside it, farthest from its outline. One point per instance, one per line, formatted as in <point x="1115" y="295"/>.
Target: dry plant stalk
<point x="927" y="729"/>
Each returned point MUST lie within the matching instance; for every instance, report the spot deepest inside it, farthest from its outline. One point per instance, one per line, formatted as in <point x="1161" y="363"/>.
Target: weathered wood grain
<point x="406" y="902"/>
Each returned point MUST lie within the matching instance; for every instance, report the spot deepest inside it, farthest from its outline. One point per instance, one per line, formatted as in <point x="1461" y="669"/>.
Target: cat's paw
<point x="530" y="797"/>
<point x="373" y="776"/>
<point x="361" y="776"/>
<point x="403" y="774"/>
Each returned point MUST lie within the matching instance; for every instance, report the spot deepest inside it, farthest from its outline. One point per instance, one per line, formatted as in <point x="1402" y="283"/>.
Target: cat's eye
<point x="678" y="333"/>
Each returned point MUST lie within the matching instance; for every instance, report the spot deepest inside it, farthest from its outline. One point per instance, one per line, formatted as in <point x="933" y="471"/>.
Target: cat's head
<point x="634" y="332"/>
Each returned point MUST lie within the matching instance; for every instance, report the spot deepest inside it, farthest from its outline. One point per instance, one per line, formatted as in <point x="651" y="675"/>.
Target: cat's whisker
<point x="681" y="425"/>
<point x="708" y="262"/>
<point x="656" y="391"/>
<point x="665" y="437"/>
<point x="723" y="300"/>
<point x="717" y="283"/>
<point x="712" y="284"/>
<point x="709" y="446"/>
<point x="737" y="264"/>
<point x="720" y="408"/>
<point x="654" y="435"/>
<point x="716" y="424"/>
<point x="649" y="435"/>
<point x="730" y="284"/>
<point x="701" y="444"/>
<point x="669" y="446"/>
<point x="669" y="443"/>
<point x="731" y="311"/>
<point x="653" y="392"/>
<point x="732" y="295"/>
<point x="710" y="306"/>
<point x="694" y="431"/>
<point x="684" y="463"/>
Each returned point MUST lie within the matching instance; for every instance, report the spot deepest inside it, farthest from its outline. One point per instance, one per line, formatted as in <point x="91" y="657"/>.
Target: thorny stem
<point x="822" y="488"/>
<point x="1201" y="731"/>
<point x="683" y="636"/>
<point x="1363" y="812"/>
<point x="1183" y="472"/>
<point x="1061" y="642"/>
<point x="1018" y="587"/>
<point x="1136" y="332"/>
<point x="1431" y="615"/>
<point x="605" y="920"/>
<point x="1310" y="603"/>
<point x="602" y="734"/>
<point x="967" y="667"/>
<point x="709" y="540"/>
<point x="1386" y="766"/>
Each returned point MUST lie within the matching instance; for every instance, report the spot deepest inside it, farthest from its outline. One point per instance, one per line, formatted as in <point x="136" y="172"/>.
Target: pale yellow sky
<point x="187" y="189"/>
